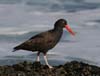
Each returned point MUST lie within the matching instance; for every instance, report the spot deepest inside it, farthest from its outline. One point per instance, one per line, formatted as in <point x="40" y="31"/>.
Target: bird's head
<point x="62" y="23"/>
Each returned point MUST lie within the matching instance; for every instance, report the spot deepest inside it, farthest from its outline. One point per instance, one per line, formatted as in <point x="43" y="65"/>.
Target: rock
<point x="73" y="68"/>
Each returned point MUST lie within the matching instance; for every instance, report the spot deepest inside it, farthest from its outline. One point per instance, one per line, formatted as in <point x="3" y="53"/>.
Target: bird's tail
<point x="16" y="48"/>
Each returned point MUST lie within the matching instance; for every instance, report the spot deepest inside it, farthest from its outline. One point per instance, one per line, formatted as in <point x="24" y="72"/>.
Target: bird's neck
<point x="58" y="32"/>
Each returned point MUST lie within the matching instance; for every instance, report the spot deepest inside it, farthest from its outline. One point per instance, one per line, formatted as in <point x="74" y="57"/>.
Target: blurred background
<point x="22" y="19"/>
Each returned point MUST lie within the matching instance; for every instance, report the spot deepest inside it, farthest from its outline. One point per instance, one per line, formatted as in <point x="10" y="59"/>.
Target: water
<point x="21" y="19"/>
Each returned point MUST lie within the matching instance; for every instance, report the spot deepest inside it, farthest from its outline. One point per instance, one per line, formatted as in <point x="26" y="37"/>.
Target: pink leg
<point x="45" y="58"/>
<point x="38" y="58"/>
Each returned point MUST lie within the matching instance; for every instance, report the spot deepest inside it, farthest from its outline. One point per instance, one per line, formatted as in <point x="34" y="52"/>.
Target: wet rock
<point x="73" y="68"/>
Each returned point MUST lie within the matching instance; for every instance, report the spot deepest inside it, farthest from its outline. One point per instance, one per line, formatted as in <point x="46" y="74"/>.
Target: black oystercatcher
<point x="46" y="40"/>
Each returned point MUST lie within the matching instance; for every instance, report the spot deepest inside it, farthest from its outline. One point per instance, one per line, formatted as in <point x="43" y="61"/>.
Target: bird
<point x="43" y="42"/>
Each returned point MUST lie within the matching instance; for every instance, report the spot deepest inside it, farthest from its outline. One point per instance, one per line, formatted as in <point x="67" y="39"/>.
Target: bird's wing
<point x="40" y="39"/>
<point x="33" y="41"/>
<point x="39" y="36"/>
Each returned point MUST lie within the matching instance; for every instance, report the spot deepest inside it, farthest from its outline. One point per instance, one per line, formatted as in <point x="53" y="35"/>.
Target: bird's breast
<point x="53" y="39"/>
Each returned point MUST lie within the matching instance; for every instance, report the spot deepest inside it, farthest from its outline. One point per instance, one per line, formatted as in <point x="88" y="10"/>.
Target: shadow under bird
<point x="45" y="41"/>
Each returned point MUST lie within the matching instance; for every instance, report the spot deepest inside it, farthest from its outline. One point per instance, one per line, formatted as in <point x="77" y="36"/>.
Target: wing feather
<point x="39" y="42"/>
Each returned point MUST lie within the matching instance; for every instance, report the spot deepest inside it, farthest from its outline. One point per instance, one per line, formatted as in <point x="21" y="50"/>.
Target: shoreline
<point x="73" y="68"/>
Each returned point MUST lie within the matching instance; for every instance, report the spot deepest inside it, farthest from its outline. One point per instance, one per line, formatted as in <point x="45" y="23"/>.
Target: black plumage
<point x="44" y="41"/>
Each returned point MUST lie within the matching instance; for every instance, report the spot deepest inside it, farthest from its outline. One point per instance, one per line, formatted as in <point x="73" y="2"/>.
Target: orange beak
<point x="69" y="30"/>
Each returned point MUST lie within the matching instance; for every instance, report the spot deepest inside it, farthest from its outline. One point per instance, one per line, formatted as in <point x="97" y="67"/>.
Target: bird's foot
<point x="50" y="66"/>
<point x="37" y="61"/>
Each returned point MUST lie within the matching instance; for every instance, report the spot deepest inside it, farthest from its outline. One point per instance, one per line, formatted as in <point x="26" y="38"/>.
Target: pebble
<point x="73" y="68"/>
